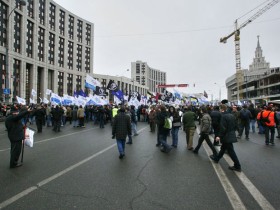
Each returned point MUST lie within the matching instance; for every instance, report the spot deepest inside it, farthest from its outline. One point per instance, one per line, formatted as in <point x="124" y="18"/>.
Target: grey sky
<point x="180" y="37"/>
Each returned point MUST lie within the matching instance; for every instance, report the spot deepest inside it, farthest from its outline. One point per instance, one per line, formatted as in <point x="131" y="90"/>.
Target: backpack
<point x="167" y="123"/>
<point x="244" y="115"/>
<point x="264" y="120"/>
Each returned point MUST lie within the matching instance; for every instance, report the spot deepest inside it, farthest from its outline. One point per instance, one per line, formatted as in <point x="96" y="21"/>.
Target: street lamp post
<point x="219" y="90"/>
<point x="7" y="85"/>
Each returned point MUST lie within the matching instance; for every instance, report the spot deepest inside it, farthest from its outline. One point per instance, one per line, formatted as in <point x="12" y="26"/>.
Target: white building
<point x="48" y="47"/>
<point x="147" y="76"/>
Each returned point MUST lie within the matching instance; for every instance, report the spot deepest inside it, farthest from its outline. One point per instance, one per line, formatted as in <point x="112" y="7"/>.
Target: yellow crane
<point x="236" y="33"/>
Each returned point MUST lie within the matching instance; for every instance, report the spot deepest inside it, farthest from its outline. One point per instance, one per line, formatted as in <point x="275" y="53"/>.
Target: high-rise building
<point x="47" y="47"/>
<point x="147" y="76"/>
<point x="259" y="83"/>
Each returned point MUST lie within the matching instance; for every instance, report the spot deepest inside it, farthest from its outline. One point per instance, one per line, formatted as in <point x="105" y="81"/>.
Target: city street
<point x="79" y="168"/>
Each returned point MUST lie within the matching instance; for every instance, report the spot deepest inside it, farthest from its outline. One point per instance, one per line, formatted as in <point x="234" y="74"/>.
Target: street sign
<point x="6" y="91"/>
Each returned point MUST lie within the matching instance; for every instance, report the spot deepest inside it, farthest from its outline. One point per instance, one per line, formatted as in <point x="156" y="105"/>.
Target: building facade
<point x="142" y="74"/>
<point x="126" y="85"/>
<point x="259" y="83"/>
<point x="46" y="46"/>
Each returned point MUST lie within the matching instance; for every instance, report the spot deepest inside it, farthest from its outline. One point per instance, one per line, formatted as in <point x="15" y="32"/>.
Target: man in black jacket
<point x="16" y="134"/>
<point x="227" y="136"/>
<point x="121" y="128"/>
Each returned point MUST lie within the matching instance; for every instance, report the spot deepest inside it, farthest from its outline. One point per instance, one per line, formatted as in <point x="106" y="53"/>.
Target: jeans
<point x="121" y="146"/>
<point x="163" y="141"/>
<point x="268" y="129"/>
<point x="261" y="128"/>
<point x="253" y="125"/>
<point x="133" y="128"/>
<point x="174" y="133"/>
<point x="75" y="123"/>
<point x="49" y="120"/>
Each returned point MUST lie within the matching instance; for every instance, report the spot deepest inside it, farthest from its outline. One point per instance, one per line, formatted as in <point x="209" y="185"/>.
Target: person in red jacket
<point x="268" y="120"/>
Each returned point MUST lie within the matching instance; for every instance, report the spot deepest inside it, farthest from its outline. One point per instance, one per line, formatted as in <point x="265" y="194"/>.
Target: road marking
<point x="50" y="139"/>
<point x="46" y="181"/>
<point x="232" y="195"/>
<point x="257" y="195"/>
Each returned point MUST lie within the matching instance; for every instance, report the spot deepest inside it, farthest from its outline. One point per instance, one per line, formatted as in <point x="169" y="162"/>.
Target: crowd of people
<point x="226" y="123"/>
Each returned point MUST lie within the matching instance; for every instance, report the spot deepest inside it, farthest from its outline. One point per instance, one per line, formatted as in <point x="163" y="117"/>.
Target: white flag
<point x="45" y="101"/>
<point x="21" y="100"/>
<point x="91" y="83"/>
<point x="48" y="92"/>
<point x="31" y="101"/>
<point x="33" y="92"/>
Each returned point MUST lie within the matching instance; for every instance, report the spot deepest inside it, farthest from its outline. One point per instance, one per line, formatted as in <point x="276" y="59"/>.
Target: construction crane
<point x="236" y="33"/>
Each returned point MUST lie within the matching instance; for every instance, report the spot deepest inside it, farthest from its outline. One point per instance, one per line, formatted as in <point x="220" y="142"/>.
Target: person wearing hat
<point x="16" y="134"/>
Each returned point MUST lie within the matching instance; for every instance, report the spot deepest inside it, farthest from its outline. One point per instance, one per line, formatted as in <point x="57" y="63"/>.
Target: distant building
<point x="126" y="85"/>
<point x="49" y="48"/>
<point x="147" y="76"/>
<point x="259" y="83"/>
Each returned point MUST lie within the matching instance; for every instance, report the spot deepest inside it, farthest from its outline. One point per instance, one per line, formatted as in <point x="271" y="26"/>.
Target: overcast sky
<point x="180" y="37"/>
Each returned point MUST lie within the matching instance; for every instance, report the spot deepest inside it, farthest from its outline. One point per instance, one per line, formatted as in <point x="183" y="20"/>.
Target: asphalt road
<point x="79" y="168"/>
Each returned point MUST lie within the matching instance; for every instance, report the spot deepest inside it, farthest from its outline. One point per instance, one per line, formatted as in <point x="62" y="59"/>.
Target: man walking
<point x="227" y="136"/>
<point x="205" y="128"/>
<point x="189" y="126"/>
<point x="244" y="117"/>
<point x="121" y="128"/>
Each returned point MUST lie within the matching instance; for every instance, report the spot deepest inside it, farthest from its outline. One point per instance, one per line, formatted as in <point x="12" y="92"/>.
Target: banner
<point x="45" y="101"/>
<point x="91" y="83"/>
<point x="116" y="100"/>
<point x="100" y="91"/>
<point x="31" y="101"/>
<point x="21" y="100"/>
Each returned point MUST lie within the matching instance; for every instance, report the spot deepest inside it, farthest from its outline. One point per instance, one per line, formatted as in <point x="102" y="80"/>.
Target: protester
<point x="189" y="126"/>
<point x="268" y="120"/>
<point x="205" y="128"/>
<point x="162" y="131"/>
<point x="216" y="119"/>
<point x="57" y="113"/>
<point x="16" y="134"/>
<point x="39" y="114"/>
<point x="120" y="129"/>
<point x="176" y="124"/>
<point x="81" y="116"/>
<point x="227" y="136"/>
<point x="244" y="117"/>
<point x="152" y="119"/>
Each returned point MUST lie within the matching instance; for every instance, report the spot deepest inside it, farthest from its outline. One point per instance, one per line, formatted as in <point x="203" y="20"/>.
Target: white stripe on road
<point x="260" y="199"/>
<point x="232" y="195"/>
<point x="46" y="181"/>
<point x="50" y="139"/>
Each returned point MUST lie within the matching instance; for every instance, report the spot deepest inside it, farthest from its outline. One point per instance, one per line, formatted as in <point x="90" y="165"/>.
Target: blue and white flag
<point x="21" y="100"/>
<point x="117" y="100"/>
<point x="55" y="99"/>
<point x="91" y="83"/>
<point x="45" y="101"/>
<point x="119" y="94"/>
<point x="67" y="100"/>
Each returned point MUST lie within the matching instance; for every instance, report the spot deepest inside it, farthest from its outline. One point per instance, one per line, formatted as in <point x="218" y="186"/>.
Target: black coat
<point x="216" y="118"/>
<point x="57" y="113"/>
<point x="121" y="126"/>
<point x="15" y="127"/>
<point x="160" y="122"/>
<point x="228" y="127"/>
<point x="39" y="114"/>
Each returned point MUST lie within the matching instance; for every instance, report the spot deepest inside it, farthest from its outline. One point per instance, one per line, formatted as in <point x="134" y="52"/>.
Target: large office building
<point x="147" y="76"/>
<point x="46" y="46"/>
<point x="259" y="83"/>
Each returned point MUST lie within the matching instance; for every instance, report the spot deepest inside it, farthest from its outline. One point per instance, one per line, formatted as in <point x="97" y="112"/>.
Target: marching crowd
<point x="226" y="123"/>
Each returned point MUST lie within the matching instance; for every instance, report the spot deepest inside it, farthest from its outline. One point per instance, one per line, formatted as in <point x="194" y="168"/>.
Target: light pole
<point x="7" y="84"/>
<point x="219" y="91"/>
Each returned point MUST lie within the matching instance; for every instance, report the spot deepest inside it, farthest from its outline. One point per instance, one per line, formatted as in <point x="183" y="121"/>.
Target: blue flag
<point x="118" y="94"/>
